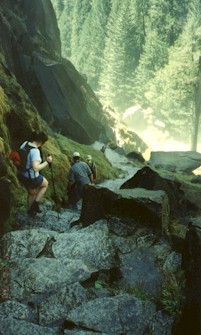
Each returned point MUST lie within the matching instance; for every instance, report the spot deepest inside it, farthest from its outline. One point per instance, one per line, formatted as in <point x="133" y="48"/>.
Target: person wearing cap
<point x="92" y="166"/>
<point x="79" y="175"/>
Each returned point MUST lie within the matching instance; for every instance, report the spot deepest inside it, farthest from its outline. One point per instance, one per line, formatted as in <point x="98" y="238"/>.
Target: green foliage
<point x="61" y="149"/>
<point x="4" y="108"/>
<point x="2" y="264"/>
<point x="92" y="43"/>
<point x="139" y="293"/>
<point x="104" y="167"/>
<point x="80" y="13"/>
<point x="119" y="58"/>
<point x="3" y="104"/>
<point x="138" y="52"/>
<point x="172" y="294"/>
<point x="98" y="284"/>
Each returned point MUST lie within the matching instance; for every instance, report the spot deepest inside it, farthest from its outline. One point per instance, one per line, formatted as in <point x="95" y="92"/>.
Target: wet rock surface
<point x="105" y="278"/>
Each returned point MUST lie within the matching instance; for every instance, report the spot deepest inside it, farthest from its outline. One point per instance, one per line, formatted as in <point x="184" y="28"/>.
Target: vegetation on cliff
<point x="143" y="53"/>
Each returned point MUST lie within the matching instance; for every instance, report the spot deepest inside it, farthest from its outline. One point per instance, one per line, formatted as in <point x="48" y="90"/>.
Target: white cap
<point x="89" y="157"/>
<point x="76" y="154"/>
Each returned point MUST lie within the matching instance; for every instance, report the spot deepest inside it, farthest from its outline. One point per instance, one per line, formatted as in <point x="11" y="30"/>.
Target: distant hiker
<point x="92" y="166"/>
<point x="79" y="175"/>
<point x="31" y="178"/>
<point x="103" y="149"/>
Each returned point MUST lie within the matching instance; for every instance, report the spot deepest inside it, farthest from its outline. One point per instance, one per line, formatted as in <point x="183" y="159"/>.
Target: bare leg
<point x="31" y="197"/>
<point x="42" y="189"/>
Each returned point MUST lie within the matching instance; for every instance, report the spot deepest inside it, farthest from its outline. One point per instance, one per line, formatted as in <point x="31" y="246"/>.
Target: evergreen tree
<point x="171" y="92"/>
<point x="154" y="57"/>
<point x="80" y="12"/>
<point x="58" y="7"/>
<point x="120" y="58"/>
<point x="195" y="28"/>
<point x="162" y="26"/>
<point x="65" y="26"/>
<point x="138" y="52"/>
<point x="92" y="40"/>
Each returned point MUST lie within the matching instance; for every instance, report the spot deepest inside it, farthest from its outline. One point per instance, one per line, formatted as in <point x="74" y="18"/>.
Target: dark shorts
<point x="30" y="183"/>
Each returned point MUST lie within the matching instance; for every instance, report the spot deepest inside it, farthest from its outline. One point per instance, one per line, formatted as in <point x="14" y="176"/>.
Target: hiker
<point x="31" y="179"/>
<point x="92" y="166"/>
<point x="79" y="175"/>
<point x="103" y="149"/>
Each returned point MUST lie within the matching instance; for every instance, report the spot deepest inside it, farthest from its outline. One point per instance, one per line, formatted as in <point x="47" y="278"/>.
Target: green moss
<point x="139" y="293"/>
<point x="104" y="168"/>
<point x="177" y="229"/>
<point x="61" y="149"/>
<point x="2" y="264"/>
<point x="172" y="293"/>
<point x="18" y="118"/>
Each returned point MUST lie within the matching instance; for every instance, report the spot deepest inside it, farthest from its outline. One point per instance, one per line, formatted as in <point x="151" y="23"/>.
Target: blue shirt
<point x="79" y="173"/>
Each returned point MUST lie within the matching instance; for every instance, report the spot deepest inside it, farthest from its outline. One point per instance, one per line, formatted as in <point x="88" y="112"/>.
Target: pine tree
<point x="138" y="52"/>
<point x="80" y="12"/>
<point x="163" y="25"/>
<point x="170" y="93"/>
<point x="195" y="28"/>
<point x="120" y="58"/>
<point x="65" y="26"/>
<point x="92" y="40"/>
<point x="58" y="7"/>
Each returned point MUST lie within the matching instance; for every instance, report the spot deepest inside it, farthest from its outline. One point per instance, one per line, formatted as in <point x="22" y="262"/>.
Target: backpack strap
<point x="29" y="148"/>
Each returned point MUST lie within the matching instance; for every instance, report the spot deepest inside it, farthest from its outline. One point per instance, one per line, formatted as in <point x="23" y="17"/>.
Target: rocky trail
<point x="107" y="278"/>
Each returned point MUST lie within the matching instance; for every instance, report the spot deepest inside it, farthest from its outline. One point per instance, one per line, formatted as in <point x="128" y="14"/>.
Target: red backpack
<point x="19" y="158"/>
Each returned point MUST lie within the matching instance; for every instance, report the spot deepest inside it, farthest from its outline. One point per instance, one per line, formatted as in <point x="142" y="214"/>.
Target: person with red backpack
<point x="29" y="175"/>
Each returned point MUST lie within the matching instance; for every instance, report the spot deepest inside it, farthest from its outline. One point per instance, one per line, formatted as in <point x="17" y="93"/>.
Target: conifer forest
<point x="144" y="54"/>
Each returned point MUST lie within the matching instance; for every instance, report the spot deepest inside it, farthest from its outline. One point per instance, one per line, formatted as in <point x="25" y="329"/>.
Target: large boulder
<point x="121" y="315"/>
<point x="147" y="207"/>
<point x="100" y="279"/>
<point x="190" y="321"/>
<point x="149" y="179"/>
<point x="179" y="161"/>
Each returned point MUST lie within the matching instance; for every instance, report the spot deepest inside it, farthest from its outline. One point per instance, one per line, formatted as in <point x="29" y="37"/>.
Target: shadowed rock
<point x="136" y="156"/>
<point x="191" y="317"/>
<point x="149" y="179"/>
<point x="146" y="207"/>
<point x="115" y="315"/>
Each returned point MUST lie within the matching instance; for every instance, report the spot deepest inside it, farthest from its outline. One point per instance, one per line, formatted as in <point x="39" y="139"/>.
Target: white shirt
<point x="33" y="155"/>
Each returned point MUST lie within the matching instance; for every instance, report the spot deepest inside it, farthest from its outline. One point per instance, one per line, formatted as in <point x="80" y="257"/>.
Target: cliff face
<point x="31" y="50"/>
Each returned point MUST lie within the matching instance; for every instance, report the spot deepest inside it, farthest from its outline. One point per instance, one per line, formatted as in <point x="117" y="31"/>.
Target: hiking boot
<point x="31" y="212"/>
<point x="75" y="207"/>
<point x="75" y="223"/>
<point x="34" y="209"/>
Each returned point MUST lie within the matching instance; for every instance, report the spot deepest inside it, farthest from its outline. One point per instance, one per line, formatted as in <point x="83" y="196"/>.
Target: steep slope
<point x="18" y="118"/>
<point x="30" y="45"/>
<point x="41" y="91"/>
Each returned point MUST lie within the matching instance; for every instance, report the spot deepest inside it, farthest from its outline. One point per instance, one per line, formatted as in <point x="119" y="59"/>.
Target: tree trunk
<point x="197" y="111"/>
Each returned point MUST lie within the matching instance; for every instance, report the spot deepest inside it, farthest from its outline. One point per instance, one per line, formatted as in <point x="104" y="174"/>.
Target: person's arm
<point x="71" y="180"/>
<point x="69" y="185"/>
<point x="89" y="173"/>
<point x="38" y="166"/>
<point x="91" y="178"/>
<point x="95" y="171"/>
